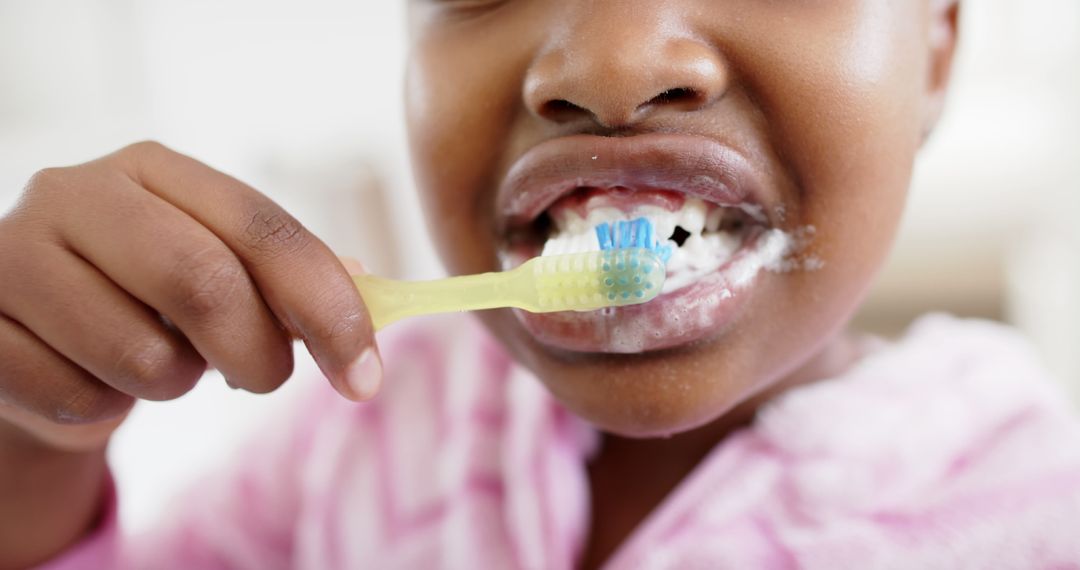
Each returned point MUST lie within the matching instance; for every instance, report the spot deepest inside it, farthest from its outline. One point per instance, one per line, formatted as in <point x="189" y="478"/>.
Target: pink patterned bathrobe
<point x="949" y="449"/>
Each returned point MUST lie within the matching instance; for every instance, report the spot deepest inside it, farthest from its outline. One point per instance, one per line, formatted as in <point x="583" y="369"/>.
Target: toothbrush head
<point x="597" y="279"/>
<point x="633" y="234"/>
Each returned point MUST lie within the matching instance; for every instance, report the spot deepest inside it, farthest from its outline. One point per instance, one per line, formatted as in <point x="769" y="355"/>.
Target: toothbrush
<point x="629" y="269"/>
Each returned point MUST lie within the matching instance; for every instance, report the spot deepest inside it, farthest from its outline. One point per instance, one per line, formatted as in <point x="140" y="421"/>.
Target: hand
<point x="122" y="278"/>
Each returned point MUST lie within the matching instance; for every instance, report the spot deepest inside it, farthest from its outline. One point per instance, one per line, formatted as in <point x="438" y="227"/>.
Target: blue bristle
<point x="624" y="231"/>
<point x="637" y="233"/>
<point x="603" y="235"/>
<point x="645" y="233"/>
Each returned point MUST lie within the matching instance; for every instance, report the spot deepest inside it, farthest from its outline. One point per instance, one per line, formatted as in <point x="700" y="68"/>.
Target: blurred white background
<point x="303" y="100"/>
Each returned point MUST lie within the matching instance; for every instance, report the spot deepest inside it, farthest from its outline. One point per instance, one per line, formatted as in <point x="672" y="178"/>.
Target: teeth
<point x="714" y="219"/>
<point x="754" y="211"/>
<point x="664" y="222"/>
<point x="567" y="220"/>
<point x="573" y="234"/>
<point x="700" y="254"/>
<point x="692" y="217"/>
<point x="603" y="215"/>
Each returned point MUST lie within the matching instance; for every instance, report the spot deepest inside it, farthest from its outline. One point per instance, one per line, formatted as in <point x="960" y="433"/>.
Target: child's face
<point x="807" y="113"/>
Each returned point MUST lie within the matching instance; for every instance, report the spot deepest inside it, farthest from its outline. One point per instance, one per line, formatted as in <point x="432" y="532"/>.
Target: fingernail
<point x="353" y="266"/>
<point x="364" y="376"/>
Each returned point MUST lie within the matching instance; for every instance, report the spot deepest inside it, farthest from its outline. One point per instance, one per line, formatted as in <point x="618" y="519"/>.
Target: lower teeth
<point x="699" y="256"/>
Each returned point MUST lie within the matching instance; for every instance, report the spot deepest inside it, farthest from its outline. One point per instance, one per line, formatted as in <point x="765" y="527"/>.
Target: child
<point x="731" y="423"/>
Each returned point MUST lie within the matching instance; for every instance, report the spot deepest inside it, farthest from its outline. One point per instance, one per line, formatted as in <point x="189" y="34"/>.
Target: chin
<point x="652" y="393"/>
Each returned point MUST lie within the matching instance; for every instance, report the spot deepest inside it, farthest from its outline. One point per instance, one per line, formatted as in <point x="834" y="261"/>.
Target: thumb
<point x="353" y="266"/>
<point x="364" y="377"/>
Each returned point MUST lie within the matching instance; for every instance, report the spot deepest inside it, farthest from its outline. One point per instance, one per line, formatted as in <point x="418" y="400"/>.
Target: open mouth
<point x="701" y="236"/>
<point x="704" y="202"/>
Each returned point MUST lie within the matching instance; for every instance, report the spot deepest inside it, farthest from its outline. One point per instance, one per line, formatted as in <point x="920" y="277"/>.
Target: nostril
<point x="561" y="110"/>
<point x="676" y="95"/>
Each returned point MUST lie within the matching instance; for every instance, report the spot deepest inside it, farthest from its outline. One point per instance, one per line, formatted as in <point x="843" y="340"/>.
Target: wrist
<point x="25" y="430"/>
<point x="52" y="497"/>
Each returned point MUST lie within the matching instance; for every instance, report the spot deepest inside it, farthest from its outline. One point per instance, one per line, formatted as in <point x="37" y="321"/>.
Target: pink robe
<point x="948" y="449"/>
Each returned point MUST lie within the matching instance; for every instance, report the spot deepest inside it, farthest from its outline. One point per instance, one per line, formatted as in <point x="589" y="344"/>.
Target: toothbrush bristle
<point x="637" y="234"/>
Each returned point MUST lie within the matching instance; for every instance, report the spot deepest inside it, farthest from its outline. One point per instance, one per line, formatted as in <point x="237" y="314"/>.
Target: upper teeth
<point x="575" y="234"/>
<point x="698" y="255"/>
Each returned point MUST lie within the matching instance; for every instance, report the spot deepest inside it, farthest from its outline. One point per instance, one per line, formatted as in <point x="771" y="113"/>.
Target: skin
<point x="123" y="278"/>
<point x="831" y="101"/>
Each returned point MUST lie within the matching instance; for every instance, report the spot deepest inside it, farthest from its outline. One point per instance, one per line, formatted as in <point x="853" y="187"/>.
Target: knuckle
<point x="271" y="233"/>
<point x="144" y="148"/>
<point x="35" y="215"/>
<point x="206" y="284"/>
<point x="54" y="195"/>
<point x="49" y="176"/>
<point x="148" y="367"/>
<point x="131" y="157"/>
<point x="47" y="181"/>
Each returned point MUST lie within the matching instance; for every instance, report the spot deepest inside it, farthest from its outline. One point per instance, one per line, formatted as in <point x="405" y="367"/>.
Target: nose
<point x="616" y="70"/>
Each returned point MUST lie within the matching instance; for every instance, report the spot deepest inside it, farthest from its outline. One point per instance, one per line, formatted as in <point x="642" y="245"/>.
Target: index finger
<point x="302" y="281"/>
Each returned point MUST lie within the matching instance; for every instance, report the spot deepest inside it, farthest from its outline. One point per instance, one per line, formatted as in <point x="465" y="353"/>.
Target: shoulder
<point x="953" y="444"/>
<point x="944" y="376"/>
<point x="970" y="378"/>
<point x="956" y="347"/>
<point x="948" y="392"/>
<point x="945" y="339"/>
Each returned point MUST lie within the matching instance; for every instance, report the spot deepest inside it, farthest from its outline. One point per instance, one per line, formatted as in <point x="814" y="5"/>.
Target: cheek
<point x="460" y="101"/>
<point x="840" y="99"/>
<point x="843" y="94"/>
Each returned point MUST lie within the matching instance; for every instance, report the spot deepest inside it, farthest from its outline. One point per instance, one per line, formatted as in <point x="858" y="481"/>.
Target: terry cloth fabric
<point x="947" y="449"/>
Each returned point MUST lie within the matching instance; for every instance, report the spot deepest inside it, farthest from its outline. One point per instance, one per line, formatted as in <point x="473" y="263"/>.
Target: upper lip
<point x="696" y="166"/>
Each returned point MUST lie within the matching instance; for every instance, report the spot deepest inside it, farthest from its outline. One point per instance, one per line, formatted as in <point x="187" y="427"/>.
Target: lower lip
<point x="693" y="313"/>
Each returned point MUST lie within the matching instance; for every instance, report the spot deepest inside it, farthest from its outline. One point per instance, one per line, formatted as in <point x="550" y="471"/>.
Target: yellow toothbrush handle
<point x="571" y="282"/>
<point x="389" y="300"/>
